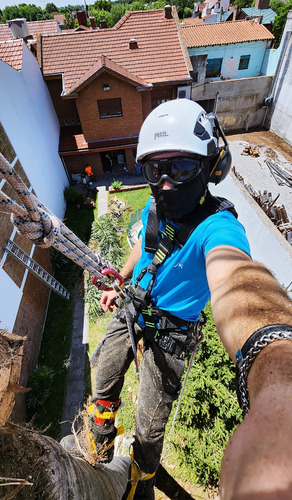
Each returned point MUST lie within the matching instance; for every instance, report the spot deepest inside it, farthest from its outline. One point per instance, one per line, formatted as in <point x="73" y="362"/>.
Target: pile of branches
<point x="277" y="213"/>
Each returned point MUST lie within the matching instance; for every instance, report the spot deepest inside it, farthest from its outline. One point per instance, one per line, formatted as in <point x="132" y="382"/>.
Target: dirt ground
<point x="264" y="138"/>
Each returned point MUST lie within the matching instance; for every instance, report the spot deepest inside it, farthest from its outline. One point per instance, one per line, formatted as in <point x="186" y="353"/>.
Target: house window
<point x="213" y="67"/>
<point x="109" y="108"/>
<point x="244" y="62"/>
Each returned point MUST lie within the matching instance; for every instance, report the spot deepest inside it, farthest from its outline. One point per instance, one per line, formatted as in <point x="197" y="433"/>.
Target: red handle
<point x="114" y="274"/>
<point x="107" y="272"/>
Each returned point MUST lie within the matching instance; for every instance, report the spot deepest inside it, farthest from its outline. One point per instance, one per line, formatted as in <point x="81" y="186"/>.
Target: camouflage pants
<point x="159" y="384"/>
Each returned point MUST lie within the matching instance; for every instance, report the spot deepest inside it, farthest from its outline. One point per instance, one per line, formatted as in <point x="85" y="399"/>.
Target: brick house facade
<point x="103" y="84"/>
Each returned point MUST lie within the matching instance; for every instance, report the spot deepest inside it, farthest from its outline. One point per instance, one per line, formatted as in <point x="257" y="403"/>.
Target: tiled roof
<point x="158" y="58"/>
<point x="60" y="18"/>
<point x="268" y="14"/>
<point x="224" y="33"/>
<point x="11" y="53"/>
<point x="100" y="65"/>
<point x="49" y="27"/>
<point x="192" y="21"/>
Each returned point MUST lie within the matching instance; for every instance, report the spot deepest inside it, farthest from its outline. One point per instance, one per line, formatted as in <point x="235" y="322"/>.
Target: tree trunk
<point x="44" y="470"/>
<point x="35" y="467"/>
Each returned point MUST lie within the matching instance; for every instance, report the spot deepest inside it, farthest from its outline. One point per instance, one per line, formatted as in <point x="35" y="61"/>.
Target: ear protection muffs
<point x="221" y="161"/>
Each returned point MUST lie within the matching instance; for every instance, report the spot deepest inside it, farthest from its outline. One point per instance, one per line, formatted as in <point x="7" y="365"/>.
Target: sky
<point x="43" y="3"/>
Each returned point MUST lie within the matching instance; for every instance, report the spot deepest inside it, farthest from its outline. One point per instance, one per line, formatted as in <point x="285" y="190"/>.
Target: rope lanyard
<point x="44" y="229"/>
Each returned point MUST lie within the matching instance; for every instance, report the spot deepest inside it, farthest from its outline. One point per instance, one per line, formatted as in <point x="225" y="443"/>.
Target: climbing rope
<point x="37" y="223"/>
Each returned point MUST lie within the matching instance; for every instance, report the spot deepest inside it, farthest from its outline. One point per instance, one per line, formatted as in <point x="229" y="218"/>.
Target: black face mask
<point x="178" y="202"/>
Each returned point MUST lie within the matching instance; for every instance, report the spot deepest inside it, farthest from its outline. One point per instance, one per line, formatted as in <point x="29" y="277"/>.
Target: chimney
<point x="19" y="29"/>
<point x="262" y="4"/>
<point x="81" y="17"/>
<point x="258" y="19"/>
<point x="167" y="12"/>
<point x="133" y="44"/>
<point x="92" y="22"/>
<point x="102" y="23"/>
<point x="236" y="10"/>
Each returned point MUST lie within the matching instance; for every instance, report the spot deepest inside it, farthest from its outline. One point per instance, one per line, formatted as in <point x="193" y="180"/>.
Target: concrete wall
<point x="30" y="122"/>
<point x="231" y="54"/>
<point x="267" y="244"/>
<point x="270" y="61"/>
<point x="279" y="117"/>
<point x="29" y="138"/>
<point x="238" y="101"/>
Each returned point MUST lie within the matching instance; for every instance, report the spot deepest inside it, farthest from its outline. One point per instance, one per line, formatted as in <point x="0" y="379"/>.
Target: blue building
<point x="229" y="50"/>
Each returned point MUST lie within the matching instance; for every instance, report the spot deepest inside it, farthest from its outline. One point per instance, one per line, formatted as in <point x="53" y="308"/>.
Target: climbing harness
<point x="172" y="334"/>
<point x="247" y="354"/>
<point x="37" y="223"/>
<point x="209" y="205"/>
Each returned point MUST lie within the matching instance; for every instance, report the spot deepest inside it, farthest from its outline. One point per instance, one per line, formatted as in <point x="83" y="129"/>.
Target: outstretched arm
<point x="108" y="298"/>
<point x="245" y="297"/>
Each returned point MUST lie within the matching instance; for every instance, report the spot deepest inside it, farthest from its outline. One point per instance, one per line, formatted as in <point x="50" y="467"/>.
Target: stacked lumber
<point x="281" y="175"/>
<point x="277" y="213"/>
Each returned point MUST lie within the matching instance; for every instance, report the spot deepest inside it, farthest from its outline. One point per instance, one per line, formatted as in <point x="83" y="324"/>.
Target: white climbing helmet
<point x="178" y="125"/>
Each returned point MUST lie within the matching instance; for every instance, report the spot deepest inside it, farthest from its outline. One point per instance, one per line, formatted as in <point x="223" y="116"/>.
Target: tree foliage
<point x="117" y="12"/>
<point x="103" y="5"/>
<point x="110" y="11"/>
<point x="209" y="410"/>
<point x="69" y="21"/>
<point x="51" y="7"/>
<point x="100" y="15"/>
<point x="281" y="10"/>
<point x="243" y="3"/>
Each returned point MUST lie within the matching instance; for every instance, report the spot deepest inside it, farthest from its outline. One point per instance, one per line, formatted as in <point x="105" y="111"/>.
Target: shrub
<point x="209" y="412"/>
<point x="41" y="386"/>
<point x="71" y="195"/>
<point x="107" y="232"/>
<point x="116" y="184"/>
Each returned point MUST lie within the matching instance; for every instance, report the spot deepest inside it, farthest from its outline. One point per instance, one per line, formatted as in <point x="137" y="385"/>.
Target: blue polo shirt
<point x="181" y="286"/>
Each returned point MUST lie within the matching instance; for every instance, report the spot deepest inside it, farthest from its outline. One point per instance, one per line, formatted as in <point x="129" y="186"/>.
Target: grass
<point x="135" y="199"/>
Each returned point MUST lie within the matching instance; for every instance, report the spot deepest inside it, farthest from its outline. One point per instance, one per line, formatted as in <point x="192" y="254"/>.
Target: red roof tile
<point x="192" y="21"/>
<point x="158" y="58"/>
<point x="48" y="27"/>
<point x="98" y="67"/>
<point x="11" y="53"/>
<point x="224" y="33"/>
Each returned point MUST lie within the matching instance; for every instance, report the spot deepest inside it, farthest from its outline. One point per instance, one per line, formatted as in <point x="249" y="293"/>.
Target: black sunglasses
<point x="176" y="170"/>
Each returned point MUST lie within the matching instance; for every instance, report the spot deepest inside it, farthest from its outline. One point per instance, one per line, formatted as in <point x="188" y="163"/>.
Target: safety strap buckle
<point x="150" y="324"/>
<point x="165" y="248"/>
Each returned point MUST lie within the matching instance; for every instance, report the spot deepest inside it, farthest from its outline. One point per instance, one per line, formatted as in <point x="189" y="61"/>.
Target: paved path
<point x="76" y="374"/>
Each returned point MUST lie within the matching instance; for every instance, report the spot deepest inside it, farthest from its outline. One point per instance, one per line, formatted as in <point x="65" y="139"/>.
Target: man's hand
<point x="108" y="300"/>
